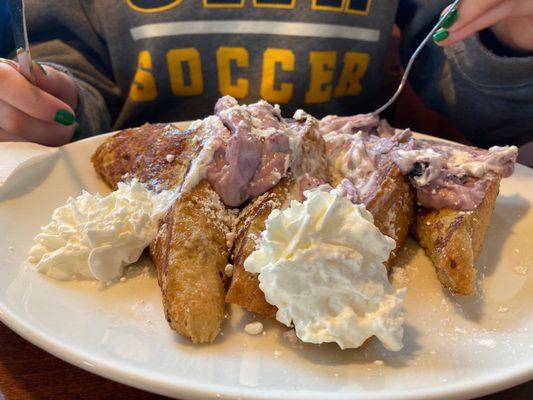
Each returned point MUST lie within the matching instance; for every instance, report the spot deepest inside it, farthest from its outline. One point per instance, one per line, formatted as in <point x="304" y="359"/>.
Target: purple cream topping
<point x="252" y="153"/>
<point x="360" y="147"/>
<point x="445" y="175"/>
<point x="464" y="173"/>
<point x="255" y="157"/>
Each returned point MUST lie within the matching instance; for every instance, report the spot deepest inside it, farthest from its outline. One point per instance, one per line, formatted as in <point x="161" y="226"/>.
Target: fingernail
<point x="64" y="117"/>
<point x="77" y="133"/>
<point x="41" y="67"/>
<point x="440" y="35"/>
<point x="11" y="63"/>
<point x="450" y="19"/>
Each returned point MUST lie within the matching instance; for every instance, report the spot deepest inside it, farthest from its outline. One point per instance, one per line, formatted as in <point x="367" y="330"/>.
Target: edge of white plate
<point x="184" y="389"/>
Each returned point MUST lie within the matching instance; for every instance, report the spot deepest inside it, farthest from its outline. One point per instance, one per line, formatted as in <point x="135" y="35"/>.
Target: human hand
<point x="43" y="113"/>
<point x="510" y="20"/>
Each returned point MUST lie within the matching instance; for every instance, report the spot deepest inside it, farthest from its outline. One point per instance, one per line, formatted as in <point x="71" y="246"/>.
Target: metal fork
<point x="413" y="58"/>
<point x="20" y="35"/>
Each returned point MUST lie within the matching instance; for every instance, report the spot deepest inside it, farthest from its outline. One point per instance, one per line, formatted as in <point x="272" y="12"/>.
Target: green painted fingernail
<point x="41" y="67"/>
<point x="64" y="117"/>
<point x="440" y="35"/>
<point x="450" y="19"/>
<point x="77" y="133"/>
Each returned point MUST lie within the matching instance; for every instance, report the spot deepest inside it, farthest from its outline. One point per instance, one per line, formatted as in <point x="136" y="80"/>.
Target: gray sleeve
<point x="489" y="97"/>
<point x="63" y="35"/>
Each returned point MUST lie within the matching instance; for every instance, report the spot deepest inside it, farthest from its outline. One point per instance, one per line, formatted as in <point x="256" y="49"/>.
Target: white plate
<point x="454" y="347"/>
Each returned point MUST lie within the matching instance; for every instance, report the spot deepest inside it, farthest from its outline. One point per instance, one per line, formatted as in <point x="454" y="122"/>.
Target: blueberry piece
<point x="417" y="170"/>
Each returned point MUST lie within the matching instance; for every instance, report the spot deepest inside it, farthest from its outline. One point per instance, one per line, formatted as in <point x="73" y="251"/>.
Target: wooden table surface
<point x="27" y="372"/>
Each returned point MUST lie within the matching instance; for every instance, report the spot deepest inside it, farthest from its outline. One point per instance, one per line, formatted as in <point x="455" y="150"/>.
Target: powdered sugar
<point x="253" y="328"/>
<point x="521" y="270"/>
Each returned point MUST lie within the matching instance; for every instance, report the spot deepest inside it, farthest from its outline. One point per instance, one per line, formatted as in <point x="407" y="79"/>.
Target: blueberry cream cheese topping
<point x="451" y="175"/>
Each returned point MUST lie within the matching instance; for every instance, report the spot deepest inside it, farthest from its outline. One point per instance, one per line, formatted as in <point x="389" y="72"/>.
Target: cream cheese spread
<point x="95" y="237"/>
<point x="433" y="160"/>
<point x="320" y="263"/>
<point x="451" y="175"/>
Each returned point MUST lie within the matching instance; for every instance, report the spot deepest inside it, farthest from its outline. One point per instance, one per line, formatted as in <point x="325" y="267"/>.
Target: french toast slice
<point x="244" y="288"/>
<point x="142" y="153"/>
<point x="190" y="250"/>
<point x="190" y="254"/>
<point x="356" y="150"/>
<point x="310" y="162"/>
<point x="453" y="239"/>
<point x="392" y="206"/>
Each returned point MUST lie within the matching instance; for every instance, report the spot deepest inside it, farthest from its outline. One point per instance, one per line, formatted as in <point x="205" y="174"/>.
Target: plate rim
<point x="179" y="388"/>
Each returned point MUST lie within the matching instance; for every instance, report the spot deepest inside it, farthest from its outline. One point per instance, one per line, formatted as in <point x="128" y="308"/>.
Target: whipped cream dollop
<point x="95" y="237"/>
<point x="320" y="263"/>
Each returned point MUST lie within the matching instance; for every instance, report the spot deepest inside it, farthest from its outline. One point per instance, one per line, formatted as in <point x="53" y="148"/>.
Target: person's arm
<point x="67" y="33"/>
<point x="488" y="96"/>
<point x="65" y="39"/>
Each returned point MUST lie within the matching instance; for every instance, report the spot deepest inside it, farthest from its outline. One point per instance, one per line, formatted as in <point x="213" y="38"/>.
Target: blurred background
<point x="4" y="17"/>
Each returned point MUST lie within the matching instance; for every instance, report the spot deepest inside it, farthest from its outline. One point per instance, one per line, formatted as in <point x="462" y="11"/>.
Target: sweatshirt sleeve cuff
<point x="484" y="68"/>
<point x="91" y="113"/>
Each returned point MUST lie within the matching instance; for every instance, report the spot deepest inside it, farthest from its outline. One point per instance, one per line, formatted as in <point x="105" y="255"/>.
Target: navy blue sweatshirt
<point x="139" y="61"/>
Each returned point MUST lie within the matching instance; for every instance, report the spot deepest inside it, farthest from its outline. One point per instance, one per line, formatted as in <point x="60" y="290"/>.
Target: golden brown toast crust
<point x="244" y="288"/>
<point x="190" y="254"/>
<point x="392" y="206"/>
<point x="453" y="240"/>
<point x="190" y="250"/>
<point x="141" y="152"/>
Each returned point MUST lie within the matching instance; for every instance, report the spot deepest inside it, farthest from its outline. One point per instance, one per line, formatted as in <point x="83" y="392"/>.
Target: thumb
<point x="57" y="83"/>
